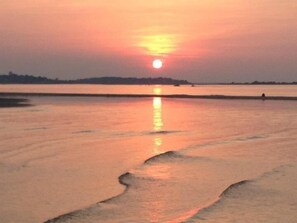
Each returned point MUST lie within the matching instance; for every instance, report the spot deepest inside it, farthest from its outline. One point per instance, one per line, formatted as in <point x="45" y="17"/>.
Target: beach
<point x="148" y="159"/>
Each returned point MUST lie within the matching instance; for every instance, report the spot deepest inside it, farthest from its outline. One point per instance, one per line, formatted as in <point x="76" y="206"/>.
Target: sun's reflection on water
<point x="157" y="120"/>
<point x="157" y="106"/>
<point x="158" y="141"/>
<point x="157" y="91"/>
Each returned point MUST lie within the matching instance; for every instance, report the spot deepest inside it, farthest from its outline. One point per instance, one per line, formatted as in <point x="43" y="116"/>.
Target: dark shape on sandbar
<point x="13" y="102"/>
<point x="263" y="96"/>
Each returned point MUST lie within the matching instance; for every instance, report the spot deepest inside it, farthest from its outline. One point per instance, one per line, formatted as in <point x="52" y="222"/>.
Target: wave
<point x="65" y="217"/>
<point x="128" y="180"/>
<point x="233" y="186"/>
<point x="124" y="180"/>
<point x="131" y="180"/>
<point x="36" y="129"/>
<point x="248" y="138"/>
<point x="144" y="133"/>
<point x="226" y="192"/>
<point x="233" y="190"/>
<point x="84" y="132"/>
<point x="226" y="141"/>
<point x="169" y="155"/>
<point x="162" y="132"/>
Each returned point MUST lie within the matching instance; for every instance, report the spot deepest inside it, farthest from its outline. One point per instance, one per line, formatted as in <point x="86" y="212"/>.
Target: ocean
<point x="154" y="159"/>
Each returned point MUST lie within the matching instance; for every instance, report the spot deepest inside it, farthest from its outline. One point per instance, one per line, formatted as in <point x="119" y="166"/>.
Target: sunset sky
<point x="201" y="41"/>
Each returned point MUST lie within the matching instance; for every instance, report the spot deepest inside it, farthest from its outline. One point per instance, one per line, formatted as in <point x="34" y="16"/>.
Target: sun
<point x="157" y="64"/>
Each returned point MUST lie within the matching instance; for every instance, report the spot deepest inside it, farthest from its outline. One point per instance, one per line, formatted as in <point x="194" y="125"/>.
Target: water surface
<point x="147" y="160"/>
<point x="234" y="90"/>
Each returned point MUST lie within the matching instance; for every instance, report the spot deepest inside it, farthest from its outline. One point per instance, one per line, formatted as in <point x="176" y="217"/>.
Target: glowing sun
<point x="157" y="64"/>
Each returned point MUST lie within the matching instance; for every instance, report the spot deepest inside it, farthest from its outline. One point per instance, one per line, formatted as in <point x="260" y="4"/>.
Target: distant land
<point x="12" y="78"/>
<point x="264" y="83"/>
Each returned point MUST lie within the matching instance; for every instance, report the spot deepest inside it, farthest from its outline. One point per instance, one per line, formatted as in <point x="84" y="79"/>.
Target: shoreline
<point x="177" y="96"/>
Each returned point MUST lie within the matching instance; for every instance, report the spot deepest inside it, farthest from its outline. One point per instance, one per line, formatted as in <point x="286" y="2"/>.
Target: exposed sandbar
<point x="23" y="94"/>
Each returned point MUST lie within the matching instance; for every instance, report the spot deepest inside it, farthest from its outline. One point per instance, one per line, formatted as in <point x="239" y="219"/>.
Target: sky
<point x="201" y="41"/>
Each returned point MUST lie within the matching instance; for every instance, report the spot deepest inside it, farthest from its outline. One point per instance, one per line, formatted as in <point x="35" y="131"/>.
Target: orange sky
<point x="204" y="40"/>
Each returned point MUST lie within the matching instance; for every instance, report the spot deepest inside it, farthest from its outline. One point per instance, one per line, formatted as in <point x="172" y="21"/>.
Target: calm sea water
<point x="148" y="160"/>
<point x="246" y="90"/>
